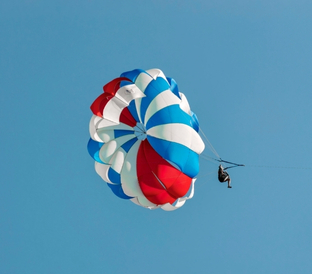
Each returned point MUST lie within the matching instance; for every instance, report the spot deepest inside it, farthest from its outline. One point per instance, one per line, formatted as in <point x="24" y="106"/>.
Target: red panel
<point x="181" y="186"/>
<point x="99" y="104"/>
<point x="110" y="90"/>
<point x="114" y="85"/>
<point x="127" y="118"/>
<point x="152" y="168"/>
<point x="153" y="191"/>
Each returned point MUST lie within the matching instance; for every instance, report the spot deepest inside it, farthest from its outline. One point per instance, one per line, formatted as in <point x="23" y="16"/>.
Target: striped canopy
<point x="145" y="141"/>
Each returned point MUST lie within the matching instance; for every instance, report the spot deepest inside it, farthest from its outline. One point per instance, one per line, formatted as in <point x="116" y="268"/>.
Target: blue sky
<point x="245" y="67"/>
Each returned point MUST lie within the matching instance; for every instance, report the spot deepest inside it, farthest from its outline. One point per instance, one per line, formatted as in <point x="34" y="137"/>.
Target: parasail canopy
<point x="145" y="141"/>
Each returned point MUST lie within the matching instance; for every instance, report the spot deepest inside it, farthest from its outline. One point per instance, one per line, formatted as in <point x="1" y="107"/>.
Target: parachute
<point x="145" y="141"/>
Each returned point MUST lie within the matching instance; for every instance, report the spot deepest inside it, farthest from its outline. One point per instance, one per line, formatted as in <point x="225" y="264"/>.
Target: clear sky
<point x="246" y="68"/>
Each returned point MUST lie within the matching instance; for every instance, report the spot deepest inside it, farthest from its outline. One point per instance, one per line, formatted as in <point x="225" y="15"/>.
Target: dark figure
<point x="223" y="176"/>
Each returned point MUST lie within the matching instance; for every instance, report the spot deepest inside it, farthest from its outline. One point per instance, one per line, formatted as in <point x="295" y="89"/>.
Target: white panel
<point x="162" y="100"/>
<point x="92" y="128"/>
<point x="118" y="159"/>
<point x="108" y="125"/>
<point x="102" y="170"/>
<point x="142" y="81"/>
<point x="128" y="93"/>
<point x="157" y="73"/>
<point x="106" y="135"/>
<point x="138" y="108"/>
<point x="128" y="173"/>
<point x="135" y="201"/>
<point x="178" y="133"/>
<point x="107" y="150"/>
<point x="113" y="109"/>
<point x="129" y="180"/>
<point x="185" y="104"/>
<point x="169" y="207"/>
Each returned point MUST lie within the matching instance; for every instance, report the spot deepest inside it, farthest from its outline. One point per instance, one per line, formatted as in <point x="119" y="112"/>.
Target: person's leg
<point x="229" y="182"/>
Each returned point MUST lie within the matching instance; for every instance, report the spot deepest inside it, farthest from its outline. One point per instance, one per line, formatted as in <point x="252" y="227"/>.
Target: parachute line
<point x="286" y="167"/>
<point x="211" y="148"/>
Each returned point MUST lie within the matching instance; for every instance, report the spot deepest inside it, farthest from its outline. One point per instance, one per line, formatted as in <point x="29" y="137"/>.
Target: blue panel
<point x="121" y="132"/>
<point x="125" y="83"/>
<point x="174" y="87"/>
<point x="194" y="122"/>
<point x="192" y="164"/>
<point x="117" y="189"/>
<point x="133" y="110"/>
<point x="126" y="146"/>
<point x="152" y="90"/>
<point x="94" y="148"/>
<point x="167" y="115"/>
<point x="182" y="156"/>
<point x="133" y="74"/>
<point x="114" y="176"/>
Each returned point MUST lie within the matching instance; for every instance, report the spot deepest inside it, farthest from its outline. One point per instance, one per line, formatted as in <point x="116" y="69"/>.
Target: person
<point x="223" y="176"/>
